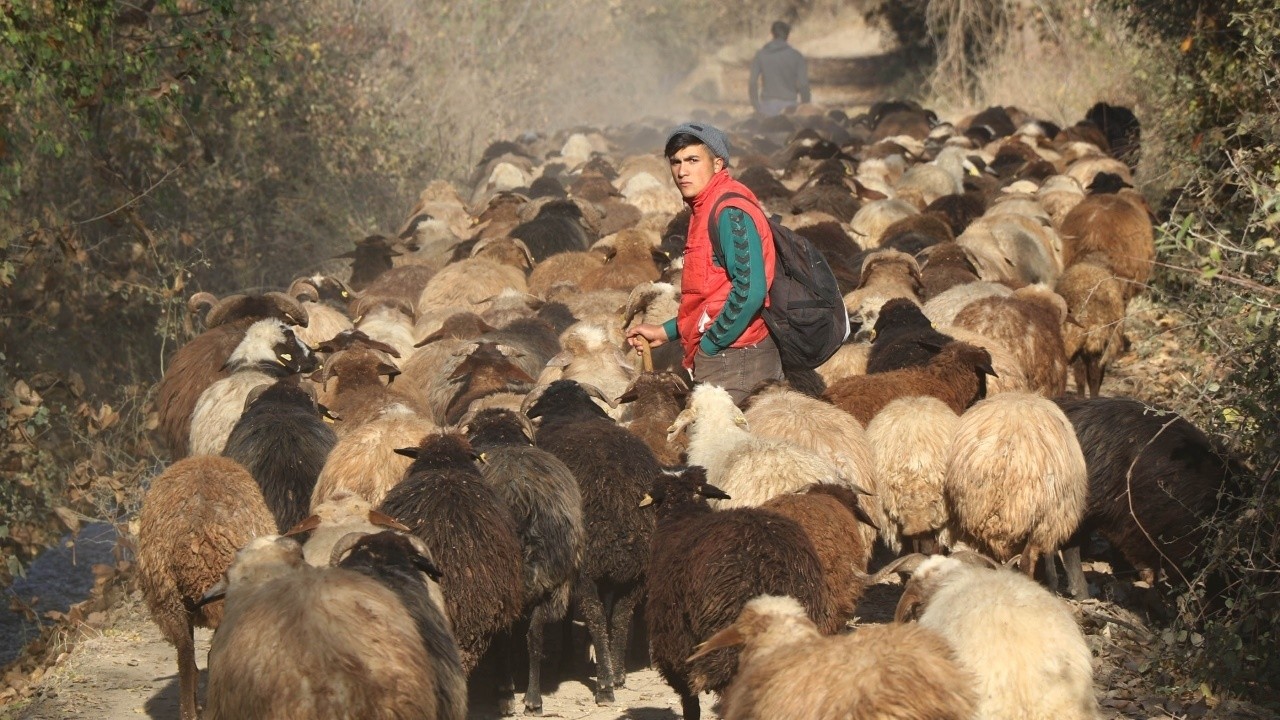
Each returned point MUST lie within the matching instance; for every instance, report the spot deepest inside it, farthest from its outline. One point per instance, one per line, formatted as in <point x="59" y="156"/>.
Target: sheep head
<point x="355" y="338"/>
<point x="267" y="305"/>
<point x="487" y="368"/>
<point x="677" y="487"/>
<point x="928" y="573"/>
<point x="388" y="548"/>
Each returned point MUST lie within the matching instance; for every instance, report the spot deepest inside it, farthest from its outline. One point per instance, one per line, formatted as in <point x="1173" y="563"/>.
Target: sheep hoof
<point x="506" y="706"/>
<point x="533" y="709"/>
<point x="604" y="696"/>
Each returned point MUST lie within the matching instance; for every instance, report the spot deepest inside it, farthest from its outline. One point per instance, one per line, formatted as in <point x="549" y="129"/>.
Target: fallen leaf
<point x="69" y="517"/>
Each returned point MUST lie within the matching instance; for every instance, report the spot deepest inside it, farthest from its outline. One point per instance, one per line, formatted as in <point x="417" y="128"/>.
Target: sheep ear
<point x="217" y="592"/>
<point x="728" y="637"/>
<point x="391" y="371"/>
<point x="646" y="501"/>
<point x="682" y="420"/>
<point x="410" y="452"/>
<point x="328" y="414"/>
<point x="986" y="369"/>
<point x="930" y="345"/>
<point x="425" y="565"/>
<point x="382" y="519"/>
<point x="307" y="524"/>
<point x="1072" y="319"/>
<point x="709" y="491"/>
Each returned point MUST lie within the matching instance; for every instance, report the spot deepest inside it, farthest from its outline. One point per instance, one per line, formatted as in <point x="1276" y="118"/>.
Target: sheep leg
<point x="1076" y="584"/>
<point x="593" y="613"/>
<point x="188" y="674"/>
<point x="1051" y="572"/>
<point x="689" y="705"/>
<point x="620" y="632"/>
<point x="1030" y="557"/>
<point x="1093" y="367"/>
<point x="504" y="647"/>
<point x="1082" y="379"/>
<point x="533" y="694"/>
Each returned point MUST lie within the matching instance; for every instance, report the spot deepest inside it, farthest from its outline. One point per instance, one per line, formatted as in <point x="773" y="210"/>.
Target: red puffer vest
<point x="705" y="286"/>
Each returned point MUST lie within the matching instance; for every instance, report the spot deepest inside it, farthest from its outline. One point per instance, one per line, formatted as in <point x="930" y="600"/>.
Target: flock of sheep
<point x="382" y="472"/>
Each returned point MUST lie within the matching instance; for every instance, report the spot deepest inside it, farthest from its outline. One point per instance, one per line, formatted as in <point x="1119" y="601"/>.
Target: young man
<point x="724" y="287"/>
<point x="784" y="72"/>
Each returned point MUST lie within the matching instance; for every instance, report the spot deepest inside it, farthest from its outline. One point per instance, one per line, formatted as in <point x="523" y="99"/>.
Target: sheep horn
<point x="524" y="249"/>
<point x="217" y="592"/>
<point x="290" y="308"/>
<point x="594" y="391"/>
<point x="974" y="558"/>
<point x="532" y="398"/>
<point x="219" y="312"/>
<point x="904" y="564"/>
<point x="344" y="545"/>
<point x="202" y="300"/>
<point x="304" y="289"/>
<point x="682" y="420"/>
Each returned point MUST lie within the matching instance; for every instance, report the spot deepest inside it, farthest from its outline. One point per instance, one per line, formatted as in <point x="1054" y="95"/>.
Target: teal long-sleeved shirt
<point x="740" y="254"/>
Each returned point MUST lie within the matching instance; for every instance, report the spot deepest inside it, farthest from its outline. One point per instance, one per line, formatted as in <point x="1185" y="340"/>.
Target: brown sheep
<point x="828" y="514"/>
<point x="194" y="518"/>
<point x="1029" y="324"/>
<point x="956" y="376"/>
<point x="1119" y="228"/>
<point x="1095" y="299"/>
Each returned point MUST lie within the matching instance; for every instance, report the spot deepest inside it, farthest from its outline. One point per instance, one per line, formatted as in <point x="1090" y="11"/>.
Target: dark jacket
<point x="784" y="71"/>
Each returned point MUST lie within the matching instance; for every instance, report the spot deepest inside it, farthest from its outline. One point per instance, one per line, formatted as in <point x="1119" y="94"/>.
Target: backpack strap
<point x="713" y="226"/>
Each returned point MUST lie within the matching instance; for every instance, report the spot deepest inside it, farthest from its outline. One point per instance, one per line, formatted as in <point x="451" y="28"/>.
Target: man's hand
<point x="653" y="333"/>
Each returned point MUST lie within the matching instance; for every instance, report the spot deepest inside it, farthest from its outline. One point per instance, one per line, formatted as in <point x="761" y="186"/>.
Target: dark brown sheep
<point x="704" y="567"/>
<point x="828" y="513"/>
<point x="956" y="376"/>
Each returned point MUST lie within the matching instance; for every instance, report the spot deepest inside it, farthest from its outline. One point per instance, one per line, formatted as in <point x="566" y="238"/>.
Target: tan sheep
<point x="910" y="439"/>
<point x="1117" y="226"/>
<point x="1029" y="324"/>
<point x="1016" y="482"/>
<point x="365" y="462"/>
<point x="787" y="669"/>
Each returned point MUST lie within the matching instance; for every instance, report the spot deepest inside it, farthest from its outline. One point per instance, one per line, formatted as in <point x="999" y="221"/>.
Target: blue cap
<point x="711" y="136"/>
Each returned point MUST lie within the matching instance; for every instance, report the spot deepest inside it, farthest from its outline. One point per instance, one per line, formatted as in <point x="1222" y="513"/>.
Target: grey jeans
<point x="739" y="370"/>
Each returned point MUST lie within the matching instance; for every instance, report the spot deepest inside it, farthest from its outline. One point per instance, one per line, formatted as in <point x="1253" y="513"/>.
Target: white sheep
<point x="910" y="439"/>
<point x="750" y="469"/>
<point x="1016" y="481"/>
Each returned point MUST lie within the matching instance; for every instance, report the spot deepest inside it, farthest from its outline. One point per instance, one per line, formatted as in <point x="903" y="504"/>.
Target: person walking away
<point x="723" y="288"/>
<point x="784" y="72"/>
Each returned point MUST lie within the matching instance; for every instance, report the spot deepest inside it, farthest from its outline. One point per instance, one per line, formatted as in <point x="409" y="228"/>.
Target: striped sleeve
<point x="740" y="247"/>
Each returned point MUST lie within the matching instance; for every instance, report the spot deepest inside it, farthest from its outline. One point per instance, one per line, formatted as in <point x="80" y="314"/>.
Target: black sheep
<point x="614" y="469"/>
<point x="282" y="439"/>
<point x="839" y="249"/>
<point x="1154" y="482"/>
<point x="545" y="503"/>
<point x="958" y="210"/>
<point x="904" y="338"/>
<point x="444" y="500"/>
<point x="549" y="234"/>
<point x="709" y="565"/>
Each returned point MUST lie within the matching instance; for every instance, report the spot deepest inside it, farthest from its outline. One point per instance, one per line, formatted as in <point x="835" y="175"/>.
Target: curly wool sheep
<point x="1029" y="324"/>
<point x="546" y="504"/>
<point x="194" y="518"/>
<point x="829" y="515"/>
<point x="910" y="439"/>
<point x="364" y="460"/>
<point x="1118" y="227"/>
<point x="1016" y="482"/>
<point x="787" y="669"/>
<point x="1095" y="300"/>
<point x="956" y="375"/>
<point x="614" y="469"/>
<point x="269" y="351"/>
<point x="200" y="363"/>
<point x="1154" y="482"/>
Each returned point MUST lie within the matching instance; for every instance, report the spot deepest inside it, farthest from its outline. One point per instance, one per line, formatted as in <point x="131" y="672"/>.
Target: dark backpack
<point x="806" y="314"/>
